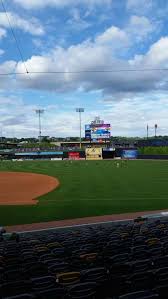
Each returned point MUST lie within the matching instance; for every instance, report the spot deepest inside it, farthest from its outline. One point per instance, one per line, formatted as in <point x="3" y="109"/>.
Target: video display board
<point x="97" y="131"/>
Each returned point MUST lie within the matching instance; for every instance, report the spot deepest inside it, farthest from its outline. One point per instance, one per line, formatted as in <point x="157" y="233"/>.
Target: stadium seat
<point x="22" y="296"/>
<point x="140" y="295"/>
<point x="160" y="262"/>
<point x="68" y="278"/>
<point x="142" y="280"/>
<point x="15" y="288"/>
<point x="98" y="275"/>
<point x="12" y="275"/>
<point x="118" y="269"/>
<point x="162" y="290"/>
<point x="161" y="276"/>
<point x="57" y="268"/>
<point x="51" y="293"/>
<point x="107" y="260"/>
<point x="142" y="265"/>
<point x="54" y="245"/>
<point x="44" y="282"/>
<point x="82" y="291"/>
<point x="36" y="270"/>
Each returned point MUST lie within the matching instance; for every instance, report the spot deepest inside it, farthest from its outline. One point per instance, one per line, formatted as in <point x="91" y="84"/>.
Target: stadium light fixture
<point x="39" y="112"/>
<point x="80" y="110"/>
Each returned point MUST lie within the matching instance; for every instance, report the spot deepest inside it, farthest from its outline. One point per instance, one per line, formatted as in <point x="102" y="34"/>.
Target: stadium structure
<point x="86" y="219"/>
<point x="84" y="222"/>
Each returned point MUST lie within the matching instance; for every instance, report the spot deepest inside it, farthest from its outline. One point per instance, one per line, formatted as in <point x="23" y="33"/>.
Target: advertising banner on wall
<point x="94" y="154"/>
<point x="74" y="156"/>
<point x="56" y="159"/>
<point x="130" y="154"/>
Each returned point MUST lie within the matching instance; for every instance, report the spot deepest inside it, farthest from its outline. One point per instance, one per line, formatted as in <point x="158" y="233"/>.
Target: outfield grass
<point x="91" y="188"/>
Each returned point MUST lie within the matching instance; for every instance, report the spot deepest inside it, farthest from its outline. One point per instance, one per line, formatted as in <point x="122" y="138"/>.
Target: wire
<point x="98" y="71"/>
<point x="14" y="36"/>
<point x="65" y="72"/>
<point x="83" y="71"/>
<point x="12" y="74"/>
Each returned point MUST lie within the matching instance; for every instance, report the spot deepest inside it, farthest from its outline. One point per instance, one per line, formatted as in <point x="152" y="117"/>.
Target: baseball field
<point x="87" y="188"/>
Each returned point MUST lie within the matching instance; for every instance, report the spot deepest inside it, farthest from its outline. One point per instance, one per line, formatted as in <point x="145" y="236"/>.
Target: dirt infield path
<point x="79" y="221"/>
<point x="23" y="188"/>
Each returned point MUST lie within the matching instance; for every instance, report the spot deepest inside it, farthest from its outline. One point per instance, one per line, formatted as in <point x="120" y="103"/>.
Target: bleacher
<point x="124" y="260"/>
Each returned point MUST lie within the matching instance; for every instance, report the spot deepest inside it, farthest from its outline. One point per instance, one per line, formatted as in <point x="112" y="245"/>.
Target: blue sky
<point x="75" y="35"/>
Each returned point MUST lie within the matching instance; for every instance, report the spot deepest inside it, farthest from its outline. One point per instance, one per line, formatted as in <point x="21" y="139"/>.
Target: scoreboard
<point x="97" y="131"/>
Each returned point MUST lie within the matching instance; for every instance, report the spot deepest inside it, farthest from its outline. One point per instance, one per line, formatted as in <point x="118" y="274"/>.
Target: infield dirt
<point x="22" y="188"/>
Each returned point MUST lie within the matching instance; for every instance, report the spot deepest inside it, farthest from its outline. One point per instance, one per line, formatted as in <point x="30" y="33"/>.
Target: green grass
<point x="91" y="188"/>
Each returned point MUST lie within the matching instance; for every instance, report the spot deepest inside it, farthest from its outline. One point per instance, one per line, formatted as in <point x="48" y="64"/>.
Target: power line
<point x="99" y="71"/>
<point x="13" y="73"/>
<point x="84" y="71"/>
<point x="65" y="72"/>
<point x="14" y="36"/>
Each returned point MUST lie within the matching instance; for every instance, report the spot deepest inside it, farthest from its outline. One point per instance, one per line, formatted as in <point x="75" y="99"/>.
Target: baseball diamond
<point x="87" y="188"/>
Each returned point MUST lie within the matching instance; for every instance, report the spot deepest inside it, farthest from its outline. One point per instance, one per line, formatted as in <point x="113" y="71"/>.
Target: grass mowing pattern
<point x="91" y="188"/>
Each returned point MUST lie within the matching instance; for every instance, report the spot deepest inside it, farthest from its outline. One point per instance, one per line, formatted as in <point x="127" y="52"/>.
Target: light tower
<point x="39" y="112"/>
<point x="147" y="131"/>
<point x="156" y="126"/>
<point x="80" y="110"/>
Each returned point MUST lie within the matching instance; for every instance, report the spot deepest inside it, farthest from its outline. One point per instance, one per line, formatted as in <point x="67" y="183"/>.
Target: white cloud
<point x="113" y="35"/>
<point x="158" y="54"/>
<point x="5" y="68"/>
<point x="35" y="4"/>
<point x="1" y="52"/>
<point x="76" y="22"/>
<point x="2" y="32"/>
<point x="131" y="115"/>
<point x="97" y="56"/>
<point x="139" y="6"/>
<point x="31" y="26"/>
<point x="140" y="27"/>
<point x="128" y="117"/>
<point x="8" y="66"/>
<point x="127" y="94"/>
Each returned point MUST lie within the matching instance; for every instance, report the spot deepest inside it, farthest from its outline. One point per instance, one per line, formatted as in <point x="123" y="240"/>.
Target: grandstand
<point x="117" y="260"/>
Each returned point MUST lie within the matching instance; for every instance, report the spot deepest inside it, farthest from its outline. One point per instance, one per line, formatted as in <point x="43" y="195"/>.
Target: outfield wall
<point x="125" y="153"/>
<point x="153" y="157"/>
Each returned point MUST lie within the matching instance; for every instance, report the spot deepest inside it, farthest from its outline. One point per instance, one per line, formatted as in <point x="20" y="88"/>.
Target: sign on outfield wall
<point x="130" y="154"/>
<point x="94" y="153"/>
<point x="56" y="159"/>
<point x="74" y="155"/>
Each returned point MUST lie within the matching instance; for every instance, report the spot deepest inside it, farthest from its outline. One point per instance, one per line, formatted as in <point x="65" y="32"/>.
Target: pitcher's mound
<point x="22" y="188"/>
